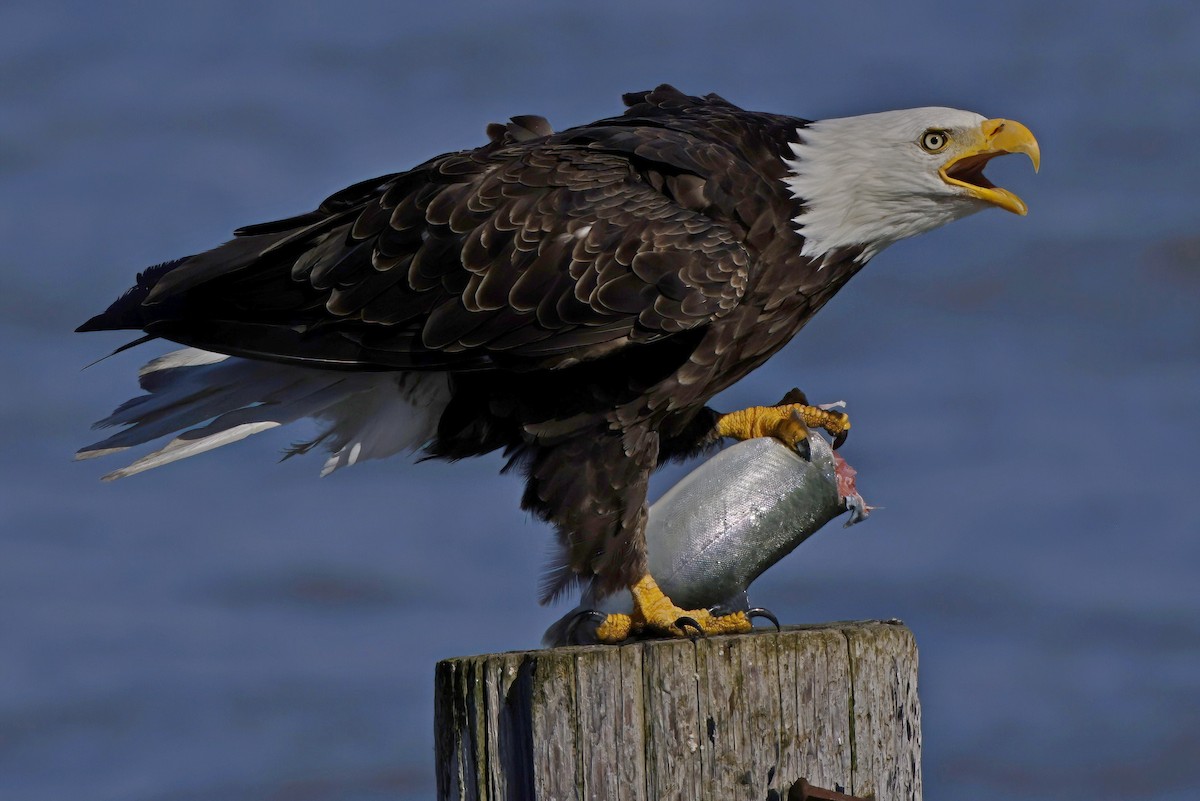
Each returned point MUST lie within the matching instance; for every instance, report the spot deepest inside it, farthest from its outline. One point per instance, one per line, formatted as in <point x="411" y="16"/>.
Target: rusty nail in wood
<point x="803" y="791"/>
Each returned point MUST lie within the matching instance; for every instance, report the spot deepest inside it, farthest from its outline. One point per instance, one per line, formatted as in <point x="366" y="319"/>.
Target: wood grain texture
<point x="887" y="713"/>
<point x="739" y="717"/>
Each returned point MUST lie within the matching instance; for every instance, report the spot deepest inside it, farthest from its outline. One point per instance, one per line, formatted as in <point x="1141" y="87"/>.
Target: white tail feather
<point x="190" y="444"/>
<point x="215" y="400"/>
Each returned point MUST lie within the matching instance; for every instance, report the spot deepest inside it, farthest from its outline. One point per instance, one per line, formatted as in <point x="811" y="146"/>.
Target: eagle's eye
<point x="934" y="140"/>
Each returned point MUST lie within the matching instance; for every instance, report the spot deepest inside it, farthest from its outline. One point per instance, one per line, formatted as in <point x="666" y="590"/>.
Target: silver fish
<point x="713" y="533"/>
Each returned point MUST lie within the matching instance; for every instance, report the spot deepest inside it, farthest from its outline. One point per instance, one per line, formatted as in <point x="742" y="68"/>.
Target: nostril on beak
<point x="999" y="127"/>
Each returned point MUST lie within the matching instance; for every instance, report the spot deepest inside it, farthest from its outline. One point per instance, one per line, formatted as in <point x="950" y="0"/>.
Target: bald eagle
<point x="573" y="298"/>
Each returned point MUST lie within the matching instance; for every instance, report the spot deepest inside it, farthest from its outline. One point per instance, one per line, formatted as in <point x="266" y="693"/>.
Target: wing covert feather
<point x="548" y="250"/>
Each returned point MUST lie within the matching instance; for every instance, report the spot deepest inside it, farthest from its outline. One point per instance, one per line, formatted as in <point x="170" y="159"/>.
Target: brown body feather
<point x="588" y="291"/>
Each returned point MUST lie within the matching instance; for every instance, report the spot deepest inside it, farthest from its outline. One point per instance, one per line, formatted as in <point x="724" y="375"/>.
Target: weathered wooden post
<point x="723" y="718"/>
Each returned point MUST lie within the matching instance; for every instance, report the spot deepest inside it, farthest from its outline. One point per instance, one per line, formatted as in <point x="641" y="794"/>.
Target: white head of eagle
<point x="874" y="179"/>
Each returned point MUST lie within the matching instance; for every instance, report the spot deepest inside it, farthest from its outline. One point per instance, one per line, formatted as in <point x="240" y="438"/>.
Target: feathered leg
<point x="592" y="488"/>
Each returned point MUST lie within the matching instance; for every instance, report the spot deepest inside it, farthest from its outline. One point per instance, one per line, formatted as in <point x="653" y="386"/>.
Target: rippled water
<point x="1024" y="391"/>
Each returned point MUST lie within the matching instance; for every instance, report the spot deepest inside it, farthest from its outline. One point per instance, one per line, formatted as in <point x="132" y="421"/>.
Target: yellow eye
<point x="933" y="141"/>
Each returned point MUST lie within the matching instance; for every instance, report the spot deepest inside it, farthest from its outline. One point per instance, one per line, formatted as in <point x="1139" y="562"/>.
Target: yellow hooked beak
<point x="994" y="138"/>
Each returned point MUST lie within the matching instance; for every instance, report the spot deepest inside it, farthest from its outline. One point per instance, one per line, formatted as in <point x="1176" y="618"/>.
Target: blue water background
<point x="1025" y="392"/>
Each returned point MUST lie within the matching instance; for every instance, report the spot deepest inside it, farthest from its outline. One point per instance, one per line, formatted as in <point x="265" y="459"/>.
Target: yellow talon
<point x="615" y="628"/>
<point x="788" y="422"/>
<point x="655" y="611"/>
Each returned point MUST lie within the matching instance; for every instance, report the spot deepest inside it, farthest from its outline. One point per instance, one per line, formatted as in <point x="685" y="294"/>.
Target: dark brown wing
<point x="530" y="252"/>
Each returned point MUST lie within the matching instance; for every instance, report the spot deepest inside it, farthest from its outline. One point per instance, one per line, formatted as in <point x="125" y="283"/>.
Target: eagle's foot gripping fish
<point x="712" y="534"/>
<point x="787" y="422"/>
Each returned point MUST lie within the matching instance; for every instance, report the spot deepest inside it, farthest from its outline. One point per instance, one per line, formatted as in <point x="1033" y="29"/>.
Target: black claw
<point x="840" y="439"/>
<point x="803" y="446"/>
<point x="684" y="623"/>
<point x="758" y="611"/>
<point x="599" y="617"/>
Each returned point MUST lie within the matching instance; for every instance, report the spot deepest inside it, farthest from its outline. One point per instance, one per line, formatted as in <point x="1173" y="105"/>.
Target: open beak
<point x="994" y="138"/>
